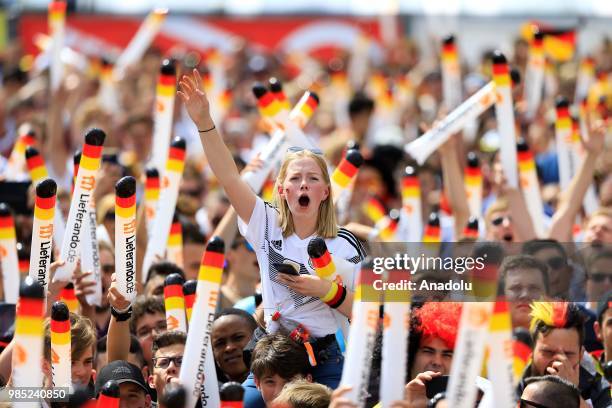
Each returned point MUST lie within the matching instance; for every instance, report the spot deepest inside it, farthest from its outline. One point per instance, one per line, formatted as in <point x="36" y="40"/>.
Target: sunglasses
<point x="600" y="277"/>
<point x="295" y="149"/>
<point x="557" y="262"/>
<point x="164" y="362"/>
<point x="530" y="404"/>
<point x="497" y="221"/>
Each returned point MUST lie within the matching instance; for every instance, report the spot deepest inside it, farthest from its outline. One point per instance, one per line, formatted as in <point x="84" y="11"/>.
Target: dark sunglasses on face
<point x="497" y="221"/>
<point x="557" y="262"/>
<point x="164" y="362"/>
<point x="600" y="277"/>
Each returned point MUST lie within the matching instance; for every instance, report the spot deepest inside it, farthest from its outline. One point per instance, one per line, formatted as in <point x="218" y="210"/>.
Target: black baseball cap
<point x="121" y="371"/>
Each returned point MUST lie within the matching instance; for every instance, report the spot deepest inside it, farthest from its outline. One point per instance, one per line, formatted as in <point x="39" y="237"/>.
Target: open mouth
<point x="303" y="201"/>
<point x="508" y="237"/>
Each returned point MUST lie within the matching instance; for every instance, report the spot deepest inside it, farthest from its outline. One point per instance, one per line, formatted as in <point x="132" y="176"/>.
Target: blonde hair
<point x="327" y="226"/>
<point x="304" y="394"/>
<point x="501" y="204"/>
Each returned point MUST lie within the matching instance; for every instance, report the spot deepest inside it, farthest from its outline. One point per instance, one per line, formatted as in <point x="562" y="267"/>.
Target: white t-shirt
<point x="266" y="238"/>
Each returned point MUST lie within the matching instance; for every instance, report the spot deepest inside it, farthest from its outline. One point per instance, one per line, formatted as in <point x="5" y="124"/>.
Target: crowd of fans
<point x="559" y="286"/>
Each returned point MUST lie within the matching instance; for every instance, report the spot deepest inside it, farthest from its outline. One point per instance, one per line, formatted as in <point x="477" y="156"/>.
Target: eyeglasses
<point x="600" y="277"/>
<point x="527" y="404"/>
<point x="497" y="221"/>
<point x="164" y="362"/>
<point x="557" y="262"/>
<point x="295" y="149"/>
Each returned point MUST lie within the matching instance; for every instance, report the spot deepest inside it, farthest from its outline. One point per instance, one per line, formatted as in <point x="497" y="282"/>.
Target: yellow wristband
<point x="331" y="293"/>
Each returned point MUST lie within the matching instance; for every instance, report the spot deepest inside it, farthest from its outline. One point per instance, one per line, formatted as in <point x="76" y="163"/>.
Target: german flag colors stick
<point x="151" y="196"/>
<point x="451" y="73"/>
<point x="364" y="324"/>
<point x="374" y="210"/>
<point x="501" y="356"/>
<point x="410" y="227"/>
<point x="471" y="341"/>
<point x="90" y="258"/>
<point x="321" y="258"/>
<point x="421" y="148"/>
<point x="35" y="164"/>
<point x="387" y="226"/>
<point x="38" y="172"/>
<point x="125" y="236"/>
<point x="164" y="113"/>
<point x="57" y="21"/>
<point x="29" y="335"/>
<point x="140" y="42"/>
<point x="174" y="300"/>
<point x="109" y="395"/>
<point x="198" y="374"/>
<point x="61" y="361"/>
<point x="471" y="228"/>
<point x="432" y="229"/>
<point x="504" y="110"/>
<point x="395" y="338"/>
<point x="174" y="252"/>
<point x="231" y="394"/>
<point x="23" y="259"/>
<point x="563" y="138"/>
<point x="473" y="184"/>
<point x="189" y="292"/>
<point x="304" y="109"/>
<point x="551" y="83"/>
<point x="267" y="192"/>
<point x="530" y="186"/>
<point x="534" y="75"/>
<point x="79" y="206"/>
<point x="8" y="255"/>
<point x="269" y="107"/>
<point x="42" y="232"/>
<point x="168" y="196"/>
<point x="345" y="173"/>
<point x="590" y="202"/>
<point x="16" y="161"/>
<point x="276" y="88"/>
<point x="68" y="296"/>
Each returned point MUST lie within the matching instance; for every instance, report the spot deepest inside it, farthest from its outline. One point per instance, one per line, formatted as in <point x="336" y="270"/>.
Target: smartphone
<point x="286" y="269"/>
<point x="436" y="386"/>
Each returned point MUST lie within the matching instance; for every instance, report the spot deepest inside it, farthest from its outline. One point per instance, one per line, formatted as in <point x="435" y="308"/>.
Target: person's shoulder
<point x="347" y="237"/>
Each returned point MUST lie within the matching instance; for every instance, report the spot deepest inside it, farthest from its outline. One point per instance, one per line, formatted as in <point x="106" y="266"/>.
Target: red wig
<point x="439" y="319"/>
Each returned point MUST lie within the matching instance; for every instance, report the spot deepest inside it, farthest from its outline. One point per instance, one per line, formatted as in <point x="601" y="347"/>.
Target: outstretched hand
<point x="594" y="143"/>
<point x="195" y="100"/>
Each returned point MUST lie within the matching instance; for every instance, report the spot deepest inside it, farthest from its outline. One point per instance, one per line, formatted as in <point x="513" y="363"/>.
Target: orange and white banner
<point x="198" y="374"/>
<point x="41" y="249"/>
<point x="163" y="114"/>
<point x="361" y="340"/>
<point x="125" y="237"/>
<point x="168" y="196"/>
<point x="79" y="206"/>
<point x="140" y="42"/>
<point x="29" y="336"/>
<point x="61" y="360"/>
<point x="469" y="353"/>
<point x="504" y="111"/>
<point x="421" y="148"/>
<point x="451" y="73"/>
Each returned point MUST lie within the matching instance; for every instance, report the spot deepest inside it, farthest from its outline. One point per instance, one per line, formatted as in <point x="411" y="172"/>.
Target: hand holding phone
<point x="287" y="269"/>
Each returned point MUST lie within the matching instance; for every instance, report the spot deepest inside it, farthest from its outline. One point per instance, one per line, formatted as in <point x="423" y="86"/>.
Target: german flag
<point x="559" y="43"/>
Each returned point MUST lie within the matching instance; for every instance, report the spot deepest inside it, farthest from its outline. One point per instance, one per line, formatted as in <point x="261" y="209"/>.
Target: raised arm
<point x="570" y="201"/>
<point x="219" y="157"/>
<point x="454" y="186"/>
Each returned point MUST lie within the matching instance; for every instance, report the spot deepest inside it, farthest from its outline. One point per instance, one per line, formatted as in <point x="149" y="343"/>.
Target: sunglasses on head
<point x="497" y="221"/>
<point x="295" y="149"/>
